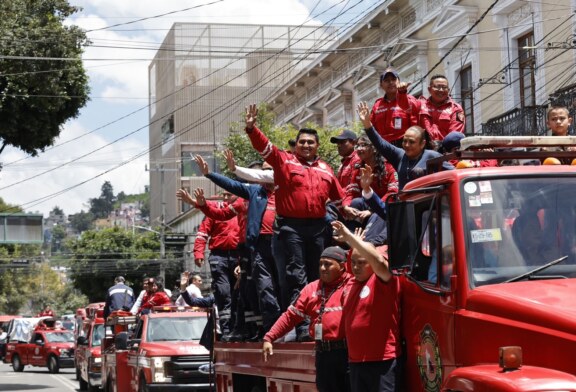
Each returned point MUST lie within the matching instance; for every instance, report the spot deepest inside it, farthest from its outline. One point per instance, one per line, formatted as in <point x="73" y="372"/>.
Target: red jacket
<point x="440" y="120"/>
<point x="383" y="184"/>
<point x="223" y="236"/>
<point x="302" y="189"/>
<point x="345" y="174"/>
<point x="155" y="299"/>
<point x="392" y="118"/>
<point x="239" y="209"/>
<point x="308" y="306"/>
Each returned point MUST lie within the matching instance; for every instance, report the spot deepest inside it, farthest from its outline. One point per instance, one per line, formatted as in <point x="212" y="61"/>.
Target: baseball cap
<point x="345" y="135"/>
<point x="452" y="140"/>
<point x="334" y="253"/>
<point x="389" y="71"/>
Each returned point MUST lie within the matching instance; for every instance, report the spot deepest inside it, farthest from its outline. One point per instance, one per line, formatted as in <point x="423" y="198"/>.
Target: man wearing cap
<point x="346" y="142"/>
<point x="396" y="111"/>
<point x="322" y="302"/>
<point x="440" y="114"/>
<point x="118" y="297"/>
<point x="304" y="183"/>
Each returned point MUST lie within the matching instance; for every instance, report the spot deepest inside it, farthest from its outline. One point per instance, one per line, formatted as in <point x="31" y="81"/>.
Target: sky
<point x="108" y="141"/>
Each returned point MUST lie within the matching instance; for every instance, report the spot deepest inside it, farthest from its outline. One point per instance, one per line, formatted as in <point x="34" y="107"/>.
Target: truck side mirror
<point x="82" y="341"/>
<point x="402" y="241"/>
<point x="121" y="341"/>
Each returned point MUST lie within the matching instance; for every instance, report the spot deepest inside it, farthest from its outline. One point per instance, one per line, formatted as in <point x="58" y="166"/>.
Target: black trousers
<point x="378" y="376"/>
<point x="332" y="374"/>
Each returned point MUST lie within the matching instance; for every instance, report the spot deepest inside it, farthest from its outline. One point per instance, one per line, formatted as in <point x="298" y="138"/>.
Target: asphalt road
<point x="35" y="379"/>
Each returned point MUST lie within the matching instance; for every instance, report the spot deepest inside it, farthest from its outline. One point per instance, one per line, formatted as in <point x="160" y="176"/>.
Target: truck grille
<point x="190" y="369"/>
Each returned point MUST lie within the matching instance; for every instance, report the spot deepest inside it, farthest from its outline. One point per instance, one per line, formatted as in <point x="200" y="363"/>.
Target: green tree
<point x="6" y="208"/>
<point x="99" y="256"/>
<point x="38" y="96"/>
<point x="81" y="221"/>
<point x="102" y="206"/>
<point x="58" y="235"/>
<point x="244" y="153"/>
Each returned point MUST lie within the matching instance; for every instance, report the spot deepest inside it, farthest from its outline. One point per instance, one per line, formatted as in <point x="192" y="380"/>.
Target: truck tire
<point x="17" y="363"/>
<point x="142" y="386"/>
<point x="53" y="364"/>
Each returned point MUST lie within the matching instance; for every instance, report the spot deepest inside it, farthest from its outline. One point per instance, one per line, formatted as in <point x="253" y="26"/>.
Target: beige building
<point x="200" y="81"/>
<point x="506" y="61"/>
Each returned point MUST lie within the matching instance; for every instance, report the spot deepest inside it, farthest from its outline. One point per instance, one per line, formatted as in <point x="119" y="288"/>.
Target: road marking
<point x="67" y="382"/>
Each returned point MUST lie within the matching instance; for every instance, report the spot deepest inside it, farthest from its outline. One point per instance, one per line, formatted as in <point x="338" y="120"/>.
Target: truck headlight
<point x="157" y="369"/>
<point x="94" y="365"/>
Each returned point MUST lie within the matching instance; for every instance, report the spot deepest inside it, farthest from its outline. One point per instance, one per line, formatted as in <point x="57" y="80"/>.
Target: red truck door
<point x="428" y="300"/>
<point x="34" y="350"/>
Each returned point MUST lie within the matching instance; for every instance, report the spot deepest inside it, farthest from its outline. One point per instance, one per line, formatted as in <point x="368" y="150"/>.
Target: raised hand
<point x="200" y="199"/>
<point x="202" y="164"/>
<point x="366" y="178"/>
<point x="251" y="114"/>
<point x="340" y="232"/>
<point x="403" y="86"/>
<point x="182" y="194"/>
<point x="184" y="276"/>
<point x="364" y="114"/>
<point x="230" y="162"/>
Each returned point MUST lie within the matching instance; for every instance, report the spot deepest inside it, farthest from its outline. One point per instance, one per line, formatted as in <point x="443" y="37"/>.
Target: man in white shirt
<point x="195" y="283"/>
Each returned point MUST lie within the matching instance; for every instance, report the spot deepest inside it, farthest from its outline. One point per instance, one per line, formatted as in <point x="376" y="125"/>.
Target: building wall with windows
<point x="200" y="81"/>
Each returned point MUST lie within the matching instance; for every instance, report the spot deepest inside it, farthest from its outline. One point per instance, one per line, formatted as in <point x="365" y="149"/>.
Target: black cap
<point x="345" y="135"/>
<point x="452" y="140"/>
<point x="389" y="71"/>
<point x="334" y="253"/>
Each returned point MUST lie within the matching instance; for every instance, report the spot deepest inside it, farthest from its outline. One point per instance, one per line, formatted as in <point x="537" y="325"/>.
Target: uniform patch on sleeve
<point x="460" y="116"/>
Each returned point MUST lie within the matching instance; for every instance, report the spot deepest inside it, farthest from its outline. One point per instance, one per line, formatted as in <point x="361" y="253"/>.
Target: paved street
<point x="34" y="379"/>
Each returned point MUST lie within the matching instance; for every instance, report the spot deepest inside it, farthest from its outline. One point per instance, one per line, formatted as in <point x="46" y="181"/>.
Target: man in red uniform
<point x="440" y="114"/>
<point x="396" y="111"/>
<point x="223" y="258"/>
<point x="346" y="142"/>
<point x="322" y="302"/>
<point x="371" y="317"/>
<point x="304" y="184"/>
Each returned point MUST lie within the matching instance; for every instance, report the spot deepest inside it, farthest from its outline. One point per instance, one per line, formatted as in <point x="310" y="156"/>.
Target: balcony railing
<point x="531" y="120"/>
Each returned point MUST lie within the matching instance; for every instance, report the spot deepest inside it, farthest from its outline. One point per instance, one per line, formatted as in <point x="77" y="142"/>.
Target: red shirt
<point x="392" y="118"/>
<point x="239" y="209"/>
<point x="302" y="188"/>
<point x="308" y="306"/>
<point x="345" y="174"/>
<point x="223" y="236"/>
<point x="383" y="184"/>
<point x="372" y="319"/>
<point x="158" y="298"/>
<point x="440" y="120"/>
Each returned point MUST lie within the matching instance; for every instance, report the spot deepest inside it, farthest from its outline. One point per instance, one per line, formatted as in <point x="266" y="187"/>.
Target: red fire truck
<point x="48" y="345"/>
<point x="87" y="356"/>
<point x="156" y="351"/>
<point x="486" y="258"/>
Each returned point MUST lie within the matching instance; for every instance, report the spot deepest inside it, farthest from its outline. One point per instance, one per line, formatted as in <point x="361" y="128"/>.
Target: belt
<point x="330" y="345"/>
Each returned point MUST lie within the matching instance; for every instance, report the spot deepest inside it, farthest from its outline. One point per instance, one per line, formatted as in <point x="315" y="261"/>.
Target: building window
<point x="467" y="94"/>
<point x="190" y="168"/>
<point x="526" y="64"/>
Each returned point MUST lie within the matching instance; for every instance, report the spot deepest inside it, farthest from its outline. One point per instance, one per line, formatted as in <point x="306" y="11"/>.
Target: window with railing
<point x="526" y="65"/>
<point x="467" y="96"/>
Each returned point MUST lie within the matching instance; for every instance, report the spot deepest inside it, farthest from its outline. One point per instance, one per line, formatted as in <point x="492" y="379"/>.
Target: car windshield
<point x="515" y="225"/>
<point x="97" y="334"/>
<point x="60" y="337"/>
<point x="175" y="329"/>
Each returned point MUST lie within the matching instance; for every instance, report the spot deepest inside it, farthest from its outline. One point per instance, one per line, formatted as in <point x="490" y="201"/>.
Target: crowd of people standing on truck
<point x="300" y="253"/>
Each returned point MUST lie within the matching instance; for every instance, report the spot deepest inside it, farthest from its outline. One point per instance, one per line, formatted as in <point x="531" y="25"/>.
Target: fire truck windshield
<point x="60" y="337"/>
<point x="175" y="329"/>
<point x="513" y="225"/>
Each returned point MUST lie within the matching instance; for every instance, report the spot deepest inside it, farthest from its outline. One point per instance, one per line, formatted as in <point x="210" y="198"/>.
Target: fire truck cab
<point x="38" y="342"/>
<point x="87" y="356"/>
<point x="156" y="351"/>
<point x="486" y="258"/>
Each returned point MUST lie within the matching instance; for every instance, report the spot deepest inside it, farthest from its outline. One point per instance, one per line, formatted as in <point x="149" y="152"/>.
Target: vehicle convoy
<point x="87" y="356"/>
<point x="486" y="259"/>
<point x="37" y="342"/>
<point x="156" y="351"/>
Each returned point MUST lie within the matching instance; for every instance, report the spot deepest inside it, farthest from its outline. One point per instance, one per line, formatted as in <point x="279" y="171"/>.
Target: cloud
<point x="129" y="178"/>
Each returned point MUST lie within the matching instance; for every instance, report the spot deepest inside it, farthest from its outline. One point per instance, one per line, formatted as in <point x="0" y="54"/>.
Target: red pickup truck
<point x="48" y="345"/>
<point x="88" y="347"/>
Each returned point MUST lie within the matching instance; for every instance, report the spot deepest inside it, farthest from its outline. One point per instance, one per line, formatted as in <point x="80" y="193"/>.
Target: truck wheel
<point x="142" y="386"/>
<point x="53" y="365"/>
<point x="16" y="363"/>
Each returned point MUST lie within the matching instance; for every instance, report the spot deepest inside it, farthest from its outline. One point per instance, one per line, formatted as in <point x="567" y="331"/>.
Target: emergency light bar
<point x="168" y="308"/>
<point x="515" y="141"/>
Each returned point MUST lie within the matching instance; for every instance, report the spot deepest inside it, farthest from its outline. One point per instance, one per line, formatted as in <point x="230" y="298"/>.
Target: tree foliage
<point x="99" y="256"/>
<point x="81" y="221"/>
<point x="38" y="96"/>
<point x="6" y="208"/>
<point x="102" y="206"/>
